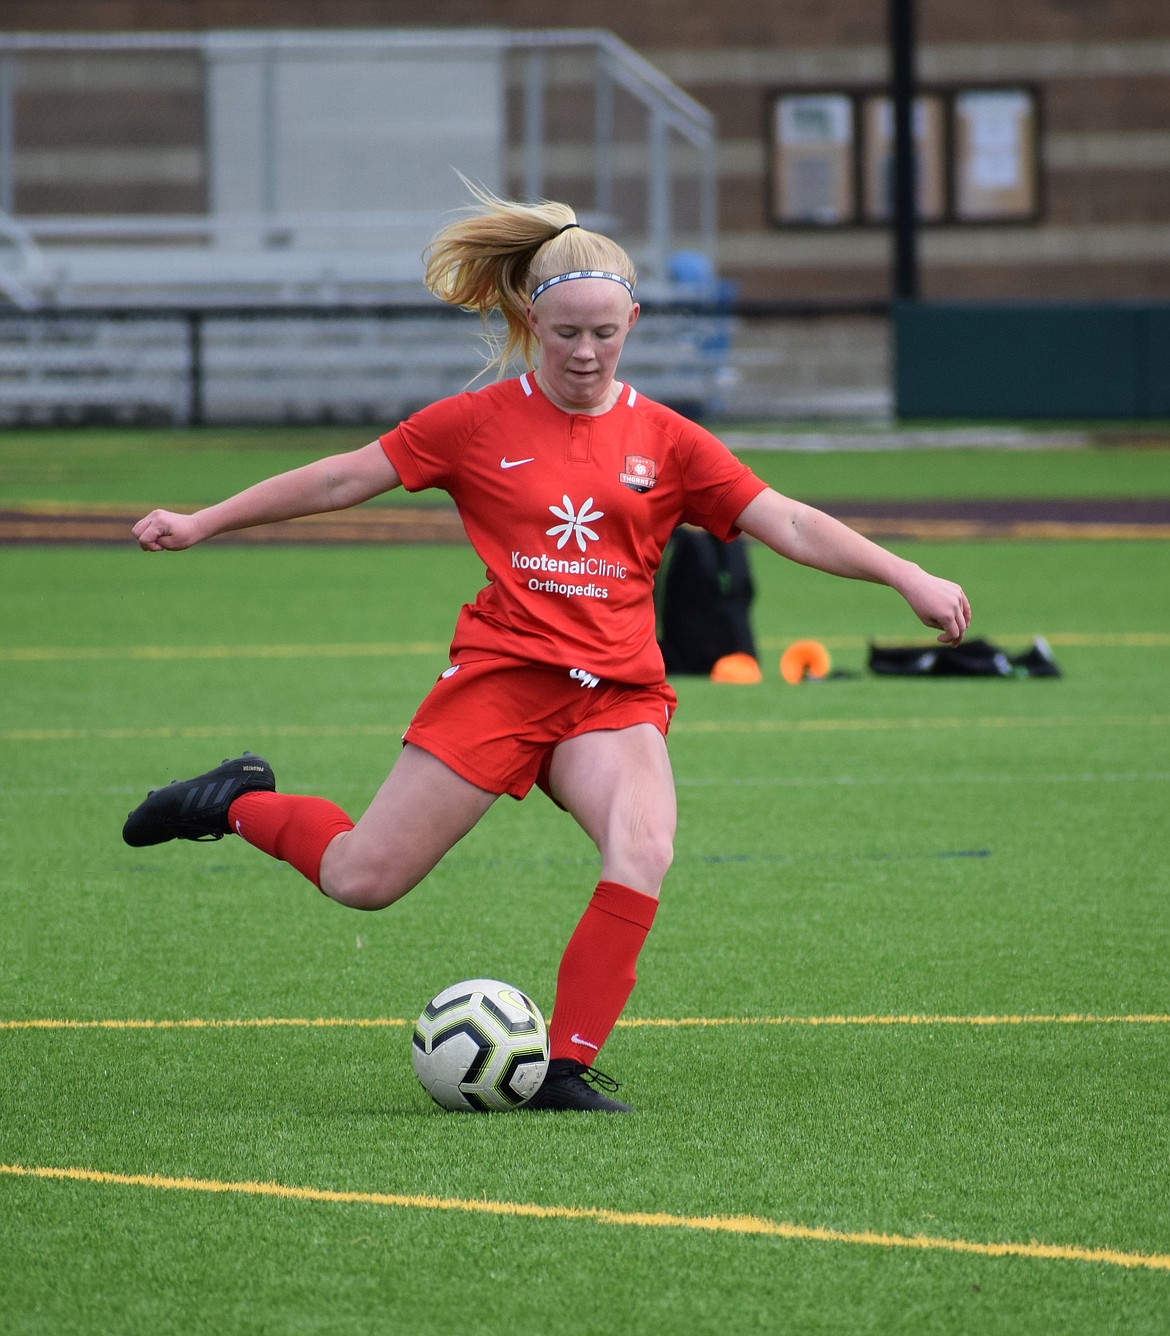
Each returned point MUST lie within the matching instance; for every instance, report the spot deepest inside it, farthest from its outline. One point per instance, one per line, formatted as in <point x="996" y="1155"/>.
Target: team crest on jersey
<point x="639" y="474"/>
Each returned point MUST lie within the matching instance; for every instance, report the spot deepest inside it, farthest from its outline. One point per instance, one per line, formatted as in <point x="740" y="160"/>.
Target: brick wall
<point x="1102" y="68"/>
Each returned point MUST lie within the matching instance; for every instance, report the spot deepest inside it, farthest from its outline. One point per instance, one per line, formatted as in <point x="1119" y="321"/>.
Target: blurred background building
<point x="200" y="154"/>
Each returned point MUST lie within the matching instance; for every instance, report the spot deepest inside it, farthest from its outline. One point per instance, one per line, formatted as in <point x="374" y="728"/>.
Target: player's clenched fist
<point x="164" y="531"/>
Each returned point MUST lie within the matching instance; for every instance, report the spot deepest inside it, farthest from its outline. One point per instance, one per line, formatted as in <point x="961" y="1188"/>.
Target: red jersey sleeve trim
<point x="736" y="500"/>
<point x="425" y="449"/>
<point x="400" y="459"/>
<point x="718" y="486"/>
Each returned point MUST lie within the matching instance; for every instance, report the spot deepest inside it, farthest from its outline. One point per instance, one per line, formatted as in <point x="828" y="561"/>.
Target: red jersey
<point x="570" y="514"/>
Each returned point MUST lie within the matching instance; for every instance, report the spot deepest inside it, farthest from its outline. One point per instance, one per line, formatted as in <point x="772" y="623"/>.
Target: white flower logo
<point x="575" y="523"/>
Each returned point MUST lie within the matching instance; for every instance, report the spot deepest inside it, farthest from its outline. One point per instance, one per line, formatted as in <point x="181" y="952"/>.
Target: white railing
<point x="294" y="364"/>
<point x="22" y="267"/>
<point x="642" y="140"/>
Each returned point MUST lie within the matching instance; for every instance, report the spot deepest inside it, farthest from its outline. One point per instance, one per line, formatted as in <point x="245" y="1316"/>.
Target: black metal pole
<point x="903" y="85"/>
<point x="194" y="369"/>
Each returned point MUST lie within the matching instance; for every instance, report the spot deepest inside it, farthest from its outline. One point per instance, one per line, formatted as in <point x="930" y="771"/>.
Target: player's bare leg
<point x="422" y="810"/>
<point x="619" y="787"/>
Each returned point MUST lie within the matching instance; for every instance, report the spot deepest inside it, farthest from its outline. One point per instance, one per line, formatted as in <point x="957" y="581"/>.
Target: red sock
<point x="597" y="976"/>
<point x="290" y="827"/>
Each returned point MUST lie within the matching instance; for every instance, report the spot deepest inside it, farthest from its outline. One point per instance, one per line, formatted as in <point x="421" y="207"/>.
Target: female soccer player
<point x="569" y="483"/>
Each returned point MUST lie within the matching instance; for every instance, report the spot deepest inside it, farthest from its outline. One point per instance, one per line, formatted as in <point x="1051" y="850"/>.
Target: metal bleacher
<point x="229" y="226"/>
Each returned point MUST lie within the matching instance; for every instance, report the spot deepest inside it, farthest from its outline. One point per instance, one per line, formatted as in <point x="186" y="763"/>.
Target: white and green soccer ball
<point x="480" y="1046"/>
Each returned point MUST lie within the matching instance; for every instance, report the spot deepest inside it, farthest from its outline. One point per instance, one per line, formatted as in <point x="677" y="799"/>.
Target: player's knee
<point x="662" y="853"/>
<point x="652" y="855"/>
<point x="364" y="888"/>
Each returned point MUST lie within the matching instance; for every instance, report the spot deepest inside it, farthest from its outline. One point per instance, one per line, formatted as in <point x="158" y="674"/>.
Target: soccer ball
<point x="480" y="1046"/>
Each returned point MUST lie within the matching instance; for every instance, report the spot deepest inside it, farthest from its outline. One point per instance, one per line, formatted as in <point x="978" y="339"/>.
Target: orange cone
<point x="739" y="668"/>
<point x="806" y="658"/>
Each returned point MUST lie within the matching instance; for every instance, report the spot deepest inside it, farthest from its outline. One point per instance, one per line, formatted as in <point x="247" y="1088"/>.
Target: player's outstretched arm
<point x="334" y="483"/>
<point x="812" y="538"/>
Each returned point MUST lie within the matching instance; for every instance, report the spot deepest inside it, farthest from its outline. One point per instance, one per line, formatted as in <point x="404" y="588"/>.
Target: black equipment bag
<point x="703" y="594"/>
<point x="973" y="658"/>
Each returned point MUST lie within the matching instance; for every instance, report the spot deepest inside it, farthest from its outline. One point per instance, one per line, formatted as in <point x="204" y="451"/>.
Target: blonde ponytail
<point x="493" y="259"/>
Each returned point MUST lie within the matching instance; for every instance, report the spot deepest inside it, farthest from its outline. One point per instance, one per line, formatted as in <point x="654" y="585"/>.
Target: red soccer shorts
<point x="497" y="722"/>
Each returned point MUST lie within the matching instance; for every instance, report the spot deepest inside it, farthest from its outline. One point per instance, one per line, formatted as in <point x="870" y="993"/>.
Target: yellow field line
<point x="909" y="1018"/>
<point x="170" y="653"/>
<point x="197" y="731"/>
<point x="913" y="723"/>
<point x="199" y="1023"/>
<point x="636" y="1022"/>
<point x="711" y="1224"/>
<point x="1060" y="639"/>
<point x="175" y="653"/>
<point x="256" y="731"/>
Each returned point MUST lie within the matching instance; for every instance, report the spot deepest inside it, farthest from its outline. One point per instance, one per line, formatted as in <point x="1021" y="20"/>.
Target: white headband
<point x="582" y="273"/>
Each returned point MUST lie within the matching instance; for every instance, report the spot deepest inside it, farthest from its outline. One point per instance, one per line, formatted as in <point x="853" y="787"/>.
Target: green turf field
<point x="185" y="469"/>
<point x="900" y="1048"/>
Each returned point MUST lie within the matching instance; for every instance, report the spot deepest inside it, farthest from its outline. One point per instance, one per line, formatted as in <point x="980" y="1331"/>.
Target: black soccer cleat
<point x="197" y="809"/>
<point x="570" y="1085"/>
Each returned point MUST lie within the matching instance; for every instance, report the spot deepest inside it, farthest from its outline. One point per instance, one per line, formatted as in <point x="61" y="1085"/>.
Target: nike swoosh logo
<point x="576" y="1039"/>
<point x="507" y="463"/>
